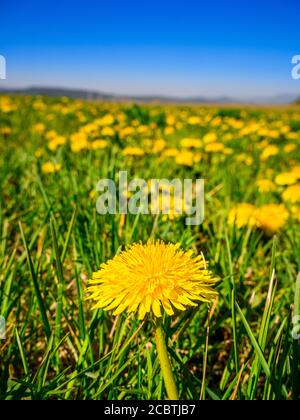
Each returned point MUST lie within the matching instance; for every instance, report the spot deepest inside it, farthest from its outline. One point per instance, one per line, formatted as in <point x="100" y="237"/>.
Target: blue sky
<point x="185" y="48"/>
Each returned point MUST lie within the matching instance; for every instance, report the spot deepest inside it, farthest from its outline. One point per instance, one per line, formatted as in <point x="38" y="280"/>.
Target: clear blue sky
<point x="237" y="48"/>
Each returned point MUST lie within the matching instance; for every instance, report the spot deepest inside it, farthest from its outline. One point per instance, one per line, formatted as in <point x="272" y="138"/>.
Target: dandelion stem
<point x="165" y="364"/>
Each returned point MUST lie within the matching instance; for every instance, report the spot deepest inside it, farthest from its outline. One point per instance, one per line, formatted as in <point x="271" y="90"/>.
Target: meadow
<point x="243" y="346"/>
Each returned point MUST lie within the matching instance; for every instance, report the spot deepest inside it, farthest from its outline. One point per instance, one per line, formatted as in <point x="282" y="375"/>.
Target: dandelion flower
<point x="210" y="138"/>
<point x="108" y="119"/>
<point x="289" y="148"/>
<point x="296" y="171"/>
<point x="271" y="217"/>
<point x="242" y="215"/>
<point x="269" y="151"/>
<point x="292" y="194"/>
<point x="99" y="144"/>
<point x="286" y="178"/>
<point x="172" y="152"/>
<point x="190" y="143"/>
<point x="214" y="147"/>
<point x="133" y="151"/>
<point x="56" y="142"/>
<point x="152" y="278"/>
<point x="265" y="186"/>
<point x="108" y="132"/>
<point x="50" y="168"/>
<point x="296" y="213"/>
<point x="185" y="158"/>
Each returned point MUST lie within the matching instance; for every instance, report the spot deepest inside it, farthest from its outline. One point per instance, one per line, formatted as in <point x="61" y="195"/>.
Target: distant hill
<point x="95" y="95"/>
<point x="101" y="96"/>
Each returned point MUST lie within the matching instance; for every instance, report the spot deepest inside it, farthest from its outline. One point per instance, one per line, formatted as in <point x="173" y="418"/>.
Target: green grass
<point x="51" y="241"/>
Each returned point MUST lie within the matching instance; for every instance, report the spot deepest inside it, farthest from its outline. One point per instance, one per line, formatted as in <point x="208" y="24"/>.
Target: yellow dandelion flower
<point x="194" y="120"/>
<point x="170" y="120"/>
<point x="185" y="158"/>
<point x="286" y="178"/>
<point x="271" y="217"/>
<point x="56" y="142"/>
<point x="151" y="278"/>
<point x="292" y="194"/>
<point x="133" y="151"/>
<point x="79" y="142"/>
<point x="172" y="152"/>
<point x="296" y="171"/>
<point x="49" y="167"/>
<point x="108" y="132"/>
<point x="5" y="131"/>
<point x="190" y="143"/>
<point x="92" y="194"/>
<point x="296" y="213"/>
<point x="210" y="138"/>
<point x="289" y="148"/>
<point x="244" y="158"/>
<point x="214" y="147"/>
<point x="38" y="128"/>
<point x="265" y="185"/>
<point x="269" y="151"/>
<point x="242" y="215"/>
<point x="169" y="130"/>
<point x="126" y="132"/>
<point x="142" y="129"/>
<point x="108" y="119"/>
<point x="99" y="144"/>
<point x="158" y="145"/>
<point x="39" y="153"/>
<point x="228" y="151"/>
<point x="51" y="134"/>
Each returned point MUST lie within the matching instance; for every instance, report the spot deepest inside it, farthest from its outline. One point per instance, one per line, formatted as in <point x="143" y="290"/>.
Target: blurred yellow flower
<point x="296" y="171"/>
<point x="158" y="145"/>
<point x="56" y="142"/>
<point x="99" y="144"/>
<point x="289" y="148"/>
<point x="286" y="178"/>
<point x="265" y="186"/>
<point x="6" y="131"/>
<point x="271" y="217"/>
<point x="190" y="143"/>
<point x="296" y="213"/>
<point x="242" y="215"/>
<point x="269" y="151"/>
<point x="39" y="153"/>
<point x="214" y="147"/>
<point x="171" y="152"/>
<point x="51" y="134"/>
<point x="185" y="158"/>
<point x="245" y="158"/>
<point x="39" y="128"/>
<point x="194" y="120"/>
<point x="108" y="119"/>
<point x="169" y="130"/>
<point x="133" y="151"/>
<point x="170" y="120"/>
<point x="210" y="138"/>
<point x="107" y="132"/>
<point x="291" y="194"/>
<point x="126" y="132"/>
<point x="228" y="151"/>
<point x="49" y="167"/>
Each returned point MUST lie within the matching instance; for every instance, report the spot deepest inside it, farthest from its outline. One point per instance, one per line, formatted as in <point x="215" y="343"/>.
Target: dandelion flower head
<point x="152" y="278"/>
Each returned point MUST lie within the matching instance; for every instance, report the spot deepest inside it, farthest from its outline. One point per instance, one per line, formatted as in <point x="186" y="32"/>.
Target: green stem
<point x="165" y="364"/>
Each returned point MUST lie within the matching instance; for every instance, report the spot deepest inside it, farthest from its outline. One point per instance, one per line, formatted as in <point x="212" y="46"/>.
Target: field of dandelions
<point x="241" y="345"/>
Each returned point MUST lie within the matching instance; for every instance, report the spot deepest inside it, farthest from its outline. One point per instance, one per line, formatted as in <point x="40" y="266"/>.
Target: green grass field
<point x="52" y="154"/>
